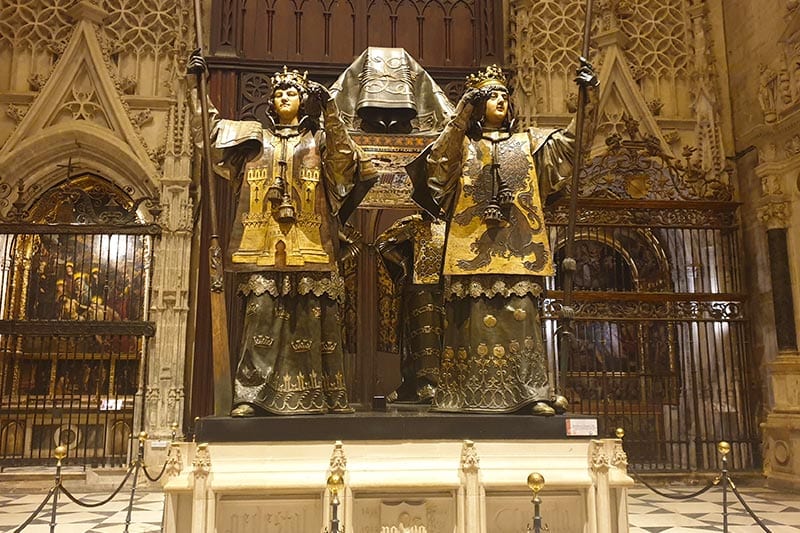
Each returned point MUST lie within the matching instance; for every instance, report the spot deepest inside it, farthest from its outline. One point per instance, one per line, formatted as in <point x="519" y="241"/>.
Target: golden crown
<point x="290" y="77"/>
<point x="490" y="76"/>
<point x="301" y="345"/>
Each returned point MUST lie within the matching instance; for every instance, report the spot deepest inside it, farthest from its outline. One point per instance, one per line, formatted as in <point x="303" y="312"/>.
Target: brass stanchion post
<point x="60" y="454"/>
<point x="137" y="465"/>
<point x="724" y="449"/>
<point x="536" y="483"/>
<point x="335" y="485"/>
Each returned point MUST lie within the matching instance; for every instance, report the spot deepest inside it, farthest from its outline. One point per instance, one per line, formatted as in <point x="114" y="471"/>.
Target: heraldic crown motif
<point x="290" y="77"/>
<point x="491" y="76"/>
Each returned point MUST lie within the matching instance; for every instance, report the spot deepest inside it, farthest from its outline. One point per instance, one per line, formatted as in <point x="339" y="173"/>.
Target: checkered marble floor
<point x="145" y="516"/>
<point x="648" y="512"/>
<point x="651" y="513"/>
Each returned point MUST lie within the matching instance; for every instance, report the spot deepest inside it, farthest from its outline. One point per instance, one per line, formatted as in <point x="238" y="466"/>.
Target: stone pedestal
<point x="422" y="483"/>
<point x="781" y="431"/>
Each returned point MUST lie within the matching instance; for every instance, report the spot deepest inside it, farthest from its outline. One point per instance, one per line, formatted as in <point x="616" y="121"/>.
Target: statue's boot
<point x="542" y="409"/>
<point x="243" y="411"/>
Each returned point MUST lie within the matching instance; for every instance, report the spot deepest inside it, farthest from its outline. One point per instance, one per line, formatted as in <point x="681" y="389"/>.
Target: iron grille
<point x="73" y="326"/>
<point x="662" y="339"/>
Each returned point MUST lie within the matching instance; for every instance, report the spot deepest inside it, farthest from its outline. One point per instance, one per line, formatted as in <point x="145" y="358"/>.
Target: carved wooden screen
<point x="75" y="279"/>
<point x="438" y="33"/>
<point x="251" y="39"/>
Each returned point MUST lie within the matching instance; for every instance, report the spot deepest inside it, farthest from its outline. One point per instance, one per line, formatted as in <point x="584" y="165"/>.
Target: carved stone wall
<point x="102" y="82"/>
<point x="764" y="46"/>
<point x="656" y="63"/>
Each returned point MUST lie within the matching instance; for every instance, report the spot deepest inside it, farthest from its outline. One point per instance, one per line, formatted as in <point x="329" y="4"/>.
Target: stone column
<point x="171" y="285"/>
<point x="781" y="431"/>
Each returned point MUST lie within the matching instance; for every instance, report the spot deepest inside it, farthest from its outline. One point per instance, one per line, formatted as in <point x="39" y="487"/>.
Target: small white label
<point x="158" y="444"/>
<point x="581" y="427"/>
<point x="112" y="404"/>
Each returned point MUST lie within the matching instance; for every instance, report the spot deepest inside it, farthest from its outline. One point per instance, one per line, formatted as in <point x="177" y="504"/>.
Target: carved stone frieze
<point x="174" y="396"/>
<point x="599" y="460"/>
<point x="775" y="214"/>
<point x="470" y="462"/>
<point x="699" y="217"/>
<point x="620" y="458"/>
<point x="201" y="464"/>
<point x="36" y="81"/>
<point x="779" y="80"/>
<point x="174" y="460"/>
<point x="16" y="113"/>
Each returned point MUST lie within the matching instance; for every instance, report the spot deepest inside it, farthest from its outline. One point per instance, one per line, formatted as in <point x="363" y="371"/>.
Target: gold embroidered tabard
<point x="265" y="238"/>
<point x="518" y="243"/>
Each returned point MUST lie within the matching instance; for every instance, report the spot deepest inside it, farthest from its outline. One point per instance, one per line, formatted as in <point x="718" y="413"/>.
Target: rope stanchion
<point x="139" y="465"/>
<point x="133" y="469"/>
<point x="82" y="503"/>
<point x="335" y="485"/>
<point x="674" y="496"/>
<point x="723" y="479"/>
<point x="61" y="452"/>
<point x="748" y="509"/>
<point x="36" y="512"/>
<point x="724" y="448"/>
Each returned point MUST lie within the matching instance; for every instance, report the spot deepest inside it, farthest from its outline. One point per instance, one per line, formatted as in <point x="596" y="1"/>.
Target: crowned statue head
<point x="289" y="93"/>
<point x="496" y="111"/>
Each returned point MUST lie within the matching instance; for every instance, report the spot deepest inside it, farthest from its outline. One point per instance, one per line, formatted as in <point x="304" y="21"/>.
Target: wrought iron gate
<point x="662" y="335"/>
<point x="74" y="279"/>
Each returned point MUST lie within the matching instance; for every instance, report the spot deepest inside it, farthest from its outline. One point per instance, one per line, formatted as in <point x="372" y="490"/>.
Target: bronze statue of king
<point x="297" y="179"/>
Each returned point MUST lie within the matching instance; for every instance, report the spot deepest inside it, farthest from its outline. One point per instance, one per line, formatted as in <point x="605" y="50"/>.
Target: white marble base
<point x="397" y="487"/>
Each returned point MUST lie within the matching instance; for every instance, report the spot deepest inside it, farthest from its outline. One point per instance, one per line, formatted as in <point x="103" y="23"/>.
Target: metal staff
<point x="219" y="315"/>
<point x="569" y="266"/>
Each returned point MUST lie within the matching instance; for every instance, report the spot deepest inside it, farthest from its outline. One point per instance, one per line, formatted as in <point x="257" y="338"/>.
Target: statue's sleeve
<point x="349" y="173"/>
<point x="396" y="250"/>
<point x="436" y="172"/>
<point x="554" y="150"/>
<point x="233" y="142"/>
<point x="553" y="159"/>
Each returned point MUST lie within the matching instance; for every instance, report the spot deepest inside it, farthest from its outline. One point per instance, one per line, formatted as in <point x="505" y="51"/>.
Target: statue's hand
<point x="196" y="64"/>
<point x="350" y="244"/>
<point x="318" y="92"/>
<point x="585" y="75"/>
<point x="472" y="97"/>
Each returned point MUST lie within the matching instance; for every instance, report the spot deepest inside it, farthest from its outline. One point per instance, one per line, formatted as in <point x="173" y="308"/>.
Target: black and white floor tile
<point x="648" y="512"/>
<point x="651" y="513"/>
<point x="145" y="517"/>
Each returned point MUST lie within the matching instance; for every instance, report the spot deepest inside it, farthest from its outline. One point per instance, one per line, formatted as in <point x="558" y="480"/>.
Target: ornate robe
<point x="291" y="359"/>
